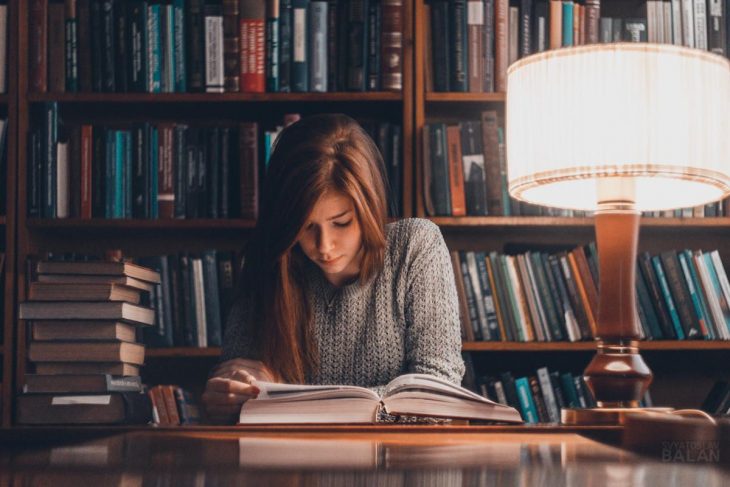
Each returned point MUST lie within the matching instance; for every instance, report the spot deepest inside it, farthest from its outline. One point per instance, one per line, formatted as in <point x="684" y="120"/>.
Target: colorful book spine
<point x="527" y="405"/>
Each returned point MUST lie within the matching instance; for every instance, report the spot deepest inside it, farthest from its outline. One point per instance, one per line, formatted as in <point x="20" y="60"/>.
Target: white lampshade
<point x="643" y="123"/>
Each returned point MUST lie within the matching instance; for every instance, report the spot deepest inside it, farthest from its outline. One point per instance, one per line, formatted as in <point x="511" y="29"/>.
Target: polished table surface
<point x="390" y="455"/>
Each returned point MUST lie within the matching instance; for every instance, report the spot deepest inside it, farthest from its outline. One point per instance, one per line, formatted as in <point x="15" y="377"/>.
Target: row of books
<point x="173" y="406"/>
<point x="465" y="174"/>
<point x="537" y="296"/>
<point x="541" y="395"/>
<point x="215" y="46"/>
<point x="83" y="346"/>
<point x="145" y="170"/>
<point x="472" y="42"/>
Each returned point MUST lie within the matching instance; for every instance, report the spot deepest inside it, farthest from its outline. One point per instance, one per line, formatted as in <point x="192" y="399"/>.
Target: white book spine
<point x="214" y="76"/>
<point x="546" y="387"/>
<point x="700" y="24"/>
<point x="688" y="24"/>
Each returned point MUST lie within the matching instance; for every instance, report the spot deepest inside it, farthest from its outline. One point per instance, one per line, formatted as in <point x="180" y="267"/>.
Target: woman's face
<point x="332" y="238"/>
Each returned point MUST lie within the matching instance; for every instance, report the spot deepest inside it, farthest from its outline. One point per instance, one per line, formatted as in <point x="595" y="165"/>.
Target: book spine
<point x="527" y="405"/>
<point x="154" y="68"/>
<point x="680" y="294"/>
<point x="179" y="51"/>
<point x="56" y="48"/>
<point x="272" y="45"/>
<point x="374" y="19"/>
<point x="693" y="286"/>
<point x="50" y="140"/>
<point x="213" y="164"/>
<point x="285" y="45"/>
<point x="526" y="34"/>
<point x="71" y="45"/>
<point x="454" y="172"/>
<point x="212" y="299"/>
<point x="140" y="183"/>
<point x="440" y="169"/>
<point x="467" y="334"/>
<point x="471" y="299"/>
<point x="231" y="46"/>
<point x="195" y="45"/>
<point x="38" y="45"/>
<point x="357" y="44"/>
<point x="300" y="62"/>
<point x="180" y="169"/>
<point x="546" y="388"/>
<point x="122" y="54"/>
<point x="152" y="152"/>
<point x="165" y="172"/>
<point x="440" y="45"/>
<point x="592" y="15"/>
<point x="488" y="46"/>
<point x="458" y="44"/>
<point x="317" y="30"/>
<point x="137" y="27"/>
<point x="85" y="176"/>
<point x="475" y="41"/>
<point x="487" y="295"/>
<point x="716" y="12"/>
<point x="252" y="49"/>
<point x="391" y="45"/>
<point x="645" y="307"/>
<point x="108" y="47"/>
<point x="473" y="160"/>
<point x="214" y="70"/>
<point x="249" y="164"/>
<point x="470" y="259"/>
<point x="664" y="286"/>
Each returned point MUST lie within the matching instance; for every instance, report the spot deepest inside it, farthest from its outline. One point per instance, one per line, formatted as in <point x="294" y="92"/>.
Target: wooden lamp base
<point x="617" y="376"/>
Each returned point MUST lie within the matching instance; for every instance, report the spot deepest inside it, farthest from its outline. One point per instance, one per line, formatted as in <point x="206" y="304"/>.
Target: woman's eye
<point x="343" y="224"/>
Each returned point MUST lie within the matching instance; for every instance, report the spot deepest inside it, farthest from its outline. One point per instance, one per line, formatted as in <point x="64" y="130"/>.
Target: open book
<point x="407" y="395"/>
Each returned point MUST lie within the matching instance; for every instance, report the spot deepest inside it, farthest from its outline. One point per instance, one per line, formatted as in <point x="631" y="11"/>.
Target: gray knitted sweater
<point x="404" y="320"/>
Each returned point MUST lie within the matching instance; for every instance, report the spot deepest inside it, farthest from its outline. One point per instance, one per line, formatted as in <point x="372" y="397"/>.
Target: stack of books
<point x="84" y="317"/>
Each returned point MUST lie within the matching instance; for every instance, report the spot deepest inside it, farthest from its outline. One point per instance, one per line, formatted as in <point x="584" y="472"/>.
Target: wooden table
<point x="339" y="455"/>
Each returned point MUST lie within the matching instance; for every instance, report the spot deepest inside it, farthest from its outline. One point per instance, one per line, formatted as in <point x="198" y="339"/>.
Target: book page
<point x="431" y="384"/>
<point x="275" y="390"/>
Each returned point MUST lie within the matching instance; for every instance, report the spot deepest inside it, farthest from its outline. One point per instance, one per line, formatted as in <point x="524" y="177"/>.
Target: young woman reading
<point x="330" y="293"/>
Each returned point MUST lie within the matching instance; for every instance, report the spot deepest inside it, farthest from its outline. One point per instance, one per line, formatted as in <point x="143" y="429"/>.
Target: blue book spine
<point x="567" y="23"/>
<point x="571" y="395"/>
<point x="154" y="70"/>
<point x="179" y="51"/>
<point x="154" y="159"/>
<point x="695" y="293"/>
<point x="300" y="62"/>
<point x="318" y="46"/>
<point x="71" y="50"/>
<point x="440" y="189"/>
<point x="487" y="296"/>
<point x="272" y="48"/>
<point x="458" y="45"/>
<point x="169" y="47"/>
<point x="664" y="285"/>
<point x="527" y="405"/>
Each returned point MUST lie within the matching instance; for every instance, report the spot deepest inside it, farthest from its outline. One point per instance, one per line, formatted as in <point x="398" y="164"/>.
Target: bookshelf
<point x="8" y="223"/>
<point x="701" y="360"/>
<point x="684" y="370"/>
<point x="144" y="237"/>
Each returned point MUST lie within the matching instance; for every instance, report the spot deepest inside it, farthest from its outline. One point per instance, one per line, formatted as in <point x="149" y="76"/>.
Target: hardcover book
<point x="409" y="395"/>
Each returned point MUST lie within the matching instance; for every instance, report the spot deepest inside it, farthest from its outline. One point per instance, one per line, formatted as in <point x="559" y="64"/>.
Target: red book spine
<point x="86" y="146"/>
<point x="38" y="45"/>
<point x="501" y="44"/>
<point x="249" y="173"/>
<point x="253" y="76"/>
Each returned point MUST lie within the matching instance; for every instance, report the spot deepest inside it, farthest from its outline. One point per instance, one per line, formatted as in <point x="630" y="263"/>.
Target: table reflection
<point x="204" y="459"/>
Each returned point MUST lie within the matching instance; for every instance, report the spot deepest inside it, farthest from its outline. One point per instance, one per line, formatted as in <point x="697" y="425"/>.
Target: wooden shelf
<point x="433" y="96"/>
<point x="547" y="221"/>
<point x="391" y="96"/>
<point x="180" y="352"/>
<point x="162" y="224"/>
<point x="590" y="346"/>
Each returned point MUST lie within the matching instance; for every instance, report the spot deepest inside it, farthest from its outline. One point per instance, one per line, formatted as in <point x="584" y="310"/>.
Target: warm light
<point x="652" y="121"/>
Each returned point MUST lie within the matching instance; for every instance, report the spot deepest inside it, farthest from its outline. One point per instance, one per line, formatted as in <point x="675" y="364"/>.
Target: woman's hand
<point x="230" y="386"/>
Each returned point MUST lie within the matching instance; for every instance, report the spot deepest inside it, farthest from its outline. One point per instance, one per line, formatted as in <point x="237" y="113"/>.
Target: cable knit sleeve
<point x="433" y="330"/>
<point x="238" y="336"/>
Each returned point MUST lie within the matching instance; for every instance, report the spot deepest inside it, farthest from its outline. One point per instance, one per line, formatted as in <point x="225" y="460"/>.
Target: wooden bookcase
<point x="8" y="222"/>
<point x="683" y="370"/>
<point x="34" y="236"/>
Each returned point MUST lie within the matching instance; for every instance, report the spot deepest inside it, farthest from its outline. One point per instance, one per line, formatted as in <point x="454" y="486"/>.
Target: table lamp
<point x="618" y="129"/>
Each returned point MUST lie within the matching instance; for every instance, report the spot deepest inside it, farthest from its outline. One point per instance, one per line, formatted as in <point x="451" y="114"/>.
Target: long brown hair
<point x="312" y="156"/>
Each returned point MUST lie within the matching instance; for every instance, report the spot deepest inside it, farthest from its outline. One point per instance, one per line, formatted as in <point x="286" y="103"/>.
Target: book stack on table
<point x="83" y="319"/>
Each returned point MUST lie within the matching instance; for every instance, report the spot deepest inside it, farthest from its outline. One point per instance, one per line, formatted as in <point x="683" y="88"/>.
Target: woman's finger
<point x="235" y="386"/>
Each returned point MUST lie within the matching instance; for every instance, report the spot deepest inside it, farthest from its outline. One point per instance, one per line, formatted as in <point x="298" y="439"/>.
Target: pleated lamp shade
<point x="642" y="123"/>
